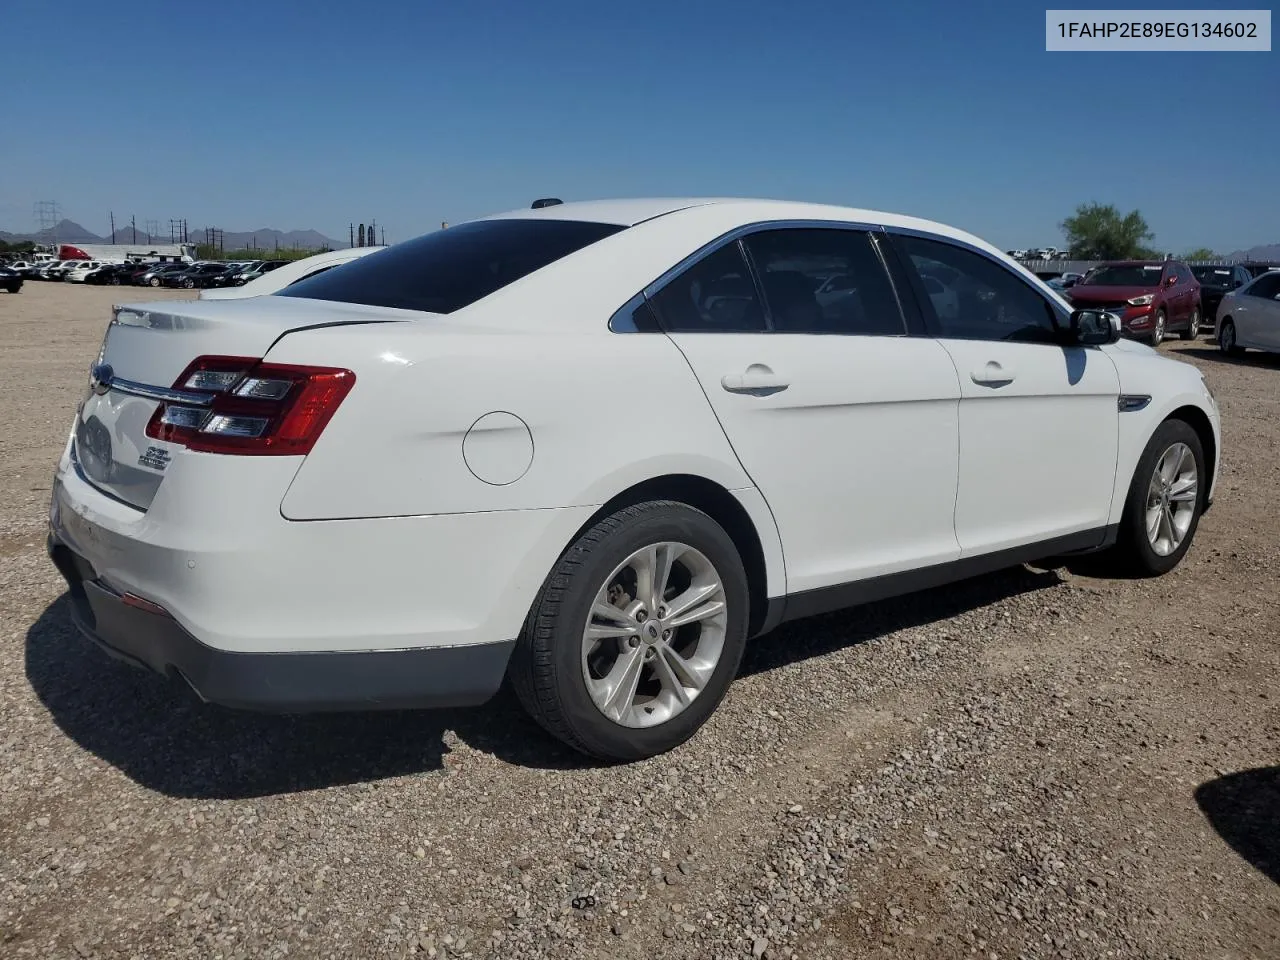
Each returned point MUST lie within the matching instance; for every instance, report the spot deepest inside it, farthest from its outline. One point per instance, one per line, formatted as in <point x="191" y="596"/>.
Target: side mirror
<point x="1093" y="328"/>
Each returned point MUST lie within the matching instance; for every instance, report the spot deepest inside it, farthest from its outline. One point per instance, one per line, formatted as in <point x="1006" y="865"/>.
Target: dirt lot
<point x="1037" y="763"/>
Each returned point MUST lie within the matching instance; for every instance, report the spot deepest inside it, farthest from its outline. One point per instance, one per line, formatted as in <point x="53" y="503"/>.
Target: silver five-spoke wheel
<point x="654" y="635"/>
<point x="1171" y="499"/>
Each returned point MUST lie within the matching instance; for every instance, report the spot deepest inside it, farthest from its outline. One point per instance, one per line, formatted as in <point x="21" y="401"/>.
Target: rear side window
<point x="715" y="295"/>
<point x="825" y="281"/>
<point x="447" y="270"/>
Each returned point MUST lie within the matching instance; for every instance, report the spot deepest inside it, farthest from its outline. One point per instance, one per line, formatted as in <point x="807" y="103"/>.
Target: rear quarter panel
<point x="604" y="411"/>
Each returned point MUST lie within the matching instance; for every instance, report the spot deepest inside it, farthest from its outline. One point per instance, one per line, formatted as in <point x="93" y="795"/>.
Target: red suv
<point x="1152" y="297"/>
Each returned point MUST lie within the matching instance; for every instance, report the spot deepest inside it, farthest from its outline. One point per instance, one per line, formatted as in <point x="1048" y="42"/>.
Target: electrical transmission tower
<point x="47" y="217"/>
<point x="153" y="228"/>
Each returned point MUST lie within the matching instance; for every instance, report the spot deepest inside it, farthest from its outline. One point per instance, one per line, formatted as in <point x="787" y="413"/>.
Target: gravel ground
<point x="1043" y="762"/>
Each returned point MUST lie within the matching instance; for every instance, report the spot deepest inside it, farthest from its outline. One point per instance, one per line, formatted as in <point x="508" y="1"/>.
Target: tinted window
<point x="450" y="269"/>
<point x="1265" y="286"/>
<point x="824" y="281"/>
<point x="973" y="298"/>
<point x="715" y="295"/>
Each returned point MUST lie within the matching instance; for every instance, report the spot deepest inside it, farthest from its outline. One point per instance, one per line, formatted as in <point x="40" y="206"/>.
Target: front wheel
<point x="636" y="634"/>
<point x="1193" y="325"/>
<point x="1157" y="334"/>
<point x="1164" y="503"/>
<point x="188" y="284"/>
<point x="155" y="281"/>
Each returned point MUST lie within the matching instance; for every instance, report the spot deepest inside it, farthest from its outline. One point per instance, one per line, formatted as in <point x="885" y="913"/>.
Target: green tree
<point x="1201" y="253"/>
<point x="1101" y="232"/>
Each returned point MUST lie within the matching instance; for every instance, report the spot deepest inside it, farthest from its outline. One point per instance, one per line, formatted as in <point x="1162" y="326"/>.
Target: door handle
<point x="992" y="375"/>
<point x="757" y="379"/>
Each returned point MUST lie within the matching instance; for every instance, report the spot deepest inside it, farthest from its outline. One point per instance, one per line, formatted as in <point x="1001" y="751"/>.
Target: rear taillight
<point x="242" y="405"/>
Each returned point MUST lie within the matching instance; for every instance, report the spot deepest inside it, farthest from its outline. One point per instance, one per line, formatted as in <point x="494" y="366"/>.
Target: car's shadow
<point x="1252" y="358"/>
<point x="161" y="736"/>
<point x="1245" y="810"/>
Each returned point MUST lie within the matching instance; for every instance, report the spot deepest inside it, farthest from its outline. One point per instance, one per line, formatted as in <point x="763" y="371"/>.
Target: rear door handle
<point x="992" y="375"/>
<point x="757" y="379"/>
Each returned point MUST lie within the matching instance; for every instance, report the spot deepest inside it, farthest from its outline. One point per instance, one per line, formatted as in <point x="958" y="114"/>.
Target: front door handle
<point x="758" y="379"/>
<point x="992" y="374"/>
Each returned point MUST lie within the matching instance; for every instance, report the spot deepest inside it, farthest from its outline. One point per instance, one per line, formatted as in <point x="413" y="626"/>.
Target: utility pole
<point x="113" y="226"/>
<point x="351" y="228"/>
<point x="133" y="225"/>
<point x="384" y="236"/>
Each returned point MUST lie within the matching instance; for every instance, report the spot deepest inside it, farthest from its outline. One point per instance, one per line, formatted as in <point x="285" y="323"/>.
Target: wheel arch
<point x="761" y="555"/>
<point x="1199" y="421"/>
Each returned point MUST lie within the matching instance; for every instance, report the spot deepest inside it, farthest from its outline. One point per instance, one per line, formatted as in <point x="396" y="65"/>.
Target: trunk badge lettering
<point x="156" y="457"/>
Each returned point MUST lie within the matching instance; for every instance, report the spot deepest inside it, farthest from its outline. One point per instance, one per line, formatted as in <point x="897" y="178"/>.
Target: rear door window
<point x="447" y="270"/>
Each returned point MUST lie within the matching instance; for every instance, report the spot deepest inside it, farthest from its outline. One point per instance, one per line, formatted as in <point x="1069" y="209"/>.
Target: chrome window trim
<point x="1064" y="317"/>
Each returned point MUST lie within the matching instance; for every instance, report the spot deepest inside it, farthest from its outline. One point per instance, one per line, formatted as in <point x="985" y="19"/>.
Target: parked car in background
<point x="81" y="269"/>
<point x="154" y="277"/>
<point x="55" y="270"/>
<point x="199" y="276"/>
<point x="289" y="272"/>
<point x="375" y="426"/>
<point x="110" y="273"/>
<point x="1152" y="297"/>
<point x="1216" y="281"/>
<point x="254" y="271"/>
<point x="1249" y="316"/>
<point x="10" y="279"/>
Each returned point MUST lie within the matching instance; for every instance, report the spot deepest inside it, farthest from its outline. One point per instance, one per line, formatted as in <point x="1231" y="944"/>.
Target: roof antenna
<point x="546" y="202"/>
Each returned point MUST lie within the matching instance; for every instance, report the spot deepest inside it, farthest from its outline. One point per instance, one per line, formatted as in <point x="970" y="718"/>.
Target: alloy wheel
<point x="1227" y="337"/>
<point x="655" y="634"/>
<point x="1171" y="499"/>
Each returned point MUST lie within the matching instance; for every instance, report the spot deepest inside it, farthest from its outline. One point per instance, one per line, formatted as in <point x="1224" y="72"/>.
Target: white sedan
<point x="596" y="447"/>
<point x="1250" y="316"/>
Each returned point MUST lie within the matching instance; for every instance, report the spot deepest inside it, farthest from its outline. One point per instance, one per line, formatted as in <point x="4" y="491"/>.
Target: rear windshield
<point x="445" y="271"/>
<point x="1219" y="276"/>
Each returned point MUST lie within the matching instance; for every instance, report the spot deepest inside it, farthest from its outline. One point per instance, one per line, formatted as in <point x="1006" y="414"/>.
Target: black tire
<point x="1133" y="552"/>
<point x="188" y="283"/>
<point x="115" y="281"/>
<point x="546" y="665"/>
<point x="14" y="287"/>
<point x="1227" y="338"/>
<point x="1193" y="325"/>
<point x="155" y="281"/>
<point x="1157" y="332"/>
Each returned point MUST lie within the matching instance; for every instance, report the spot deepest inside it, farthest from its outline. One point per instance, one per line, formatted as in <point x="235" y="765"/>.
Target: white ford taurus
<point x="595" y="447"/>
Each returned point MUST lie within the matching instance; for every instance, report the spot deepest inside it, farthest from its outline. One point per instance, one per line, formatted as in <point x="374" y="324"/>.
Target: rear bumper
<point x="298" y="682"/>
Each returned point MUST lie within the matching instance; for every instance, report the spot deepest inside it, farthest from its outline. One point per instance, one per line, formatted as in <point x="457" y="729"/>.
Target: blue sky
<point x="296" y="115"/>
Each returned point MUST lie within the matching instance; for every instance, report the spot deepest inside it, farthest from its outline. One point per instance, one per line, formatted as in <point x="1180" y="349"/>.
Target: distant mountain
<point x="1268" y="252"/>
<point x="67" y="231"/>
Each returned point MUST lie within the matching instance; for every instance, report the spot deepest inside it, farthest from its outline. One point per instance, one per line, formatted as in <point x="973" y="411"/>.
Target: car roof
<point x="632" y="211"/>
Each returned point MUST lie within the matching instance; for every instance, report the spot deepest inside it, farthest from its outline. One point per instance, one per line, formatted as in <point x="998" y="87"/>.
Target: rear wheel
<point x="636" y="634"/>
<point x="1193" y="325"/>
<point x="1165" y="499"/>
<point x="1227" y="338"/>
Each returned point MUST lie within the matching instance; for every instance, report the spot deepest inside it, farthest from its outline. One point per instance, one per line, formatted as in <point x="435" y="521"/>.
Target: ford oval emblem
<point x="100" y="377"/>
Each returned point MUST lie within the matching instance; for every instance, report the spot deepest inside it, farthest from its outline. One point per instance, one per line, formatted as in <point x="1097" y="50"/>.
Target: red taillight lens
<point x="256" y="408"/>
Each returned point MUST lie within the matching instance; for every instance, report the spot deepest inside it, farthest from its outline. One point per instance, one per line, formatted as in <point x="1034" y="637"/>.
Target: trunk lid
<point x="147" y="347"/>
